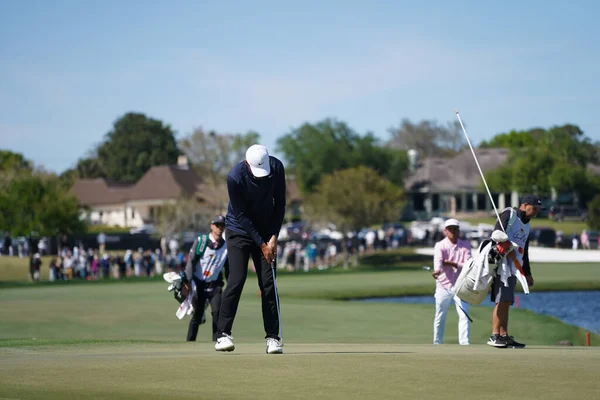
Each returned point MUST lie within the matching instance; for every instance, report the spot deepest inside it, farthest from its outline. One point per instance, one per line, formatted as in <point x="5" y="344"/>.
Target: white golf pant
<point x="442" y="302"/>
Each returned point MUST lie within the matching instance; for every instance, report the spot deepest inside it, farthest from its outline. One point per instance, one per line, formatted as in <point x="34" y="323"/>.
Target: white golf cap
<point x="451" y="222"/>
<point x="257" y="158"/>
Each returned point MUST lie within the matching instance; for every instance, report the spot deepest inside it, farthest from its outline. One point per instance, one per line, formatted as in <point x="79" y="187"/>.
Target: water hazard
<point x="580" y="308"/>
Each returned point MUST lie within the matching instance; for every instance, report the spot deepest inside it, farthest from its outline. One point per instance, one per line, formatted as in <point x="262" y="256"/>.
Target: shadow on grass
<point x="31" y="342"/>
<point x="327" y="352"/>
<point x="353" y="352"/>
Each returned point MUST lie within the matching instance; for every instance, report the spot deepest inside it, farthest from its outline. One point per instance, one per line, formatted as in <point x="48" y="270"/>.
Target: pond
<point x="580" y="308"/>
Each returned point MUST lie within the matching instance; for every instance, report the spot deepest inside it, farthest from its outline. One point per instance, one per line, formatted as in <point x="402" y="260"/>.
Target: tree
<point x="541" y="161"/>
<point x="135" y="144"/>
<point x="36" y="203"/>
<point x="212" y="155"/>
<point x="13" y="165"/>
<point x="86" y="168"/>
<point x="594" y="213"/>
<point x="312" y="151"/>
<point x="429" y="138"/>
<point x="513" y="139"/>
<point x="11" y="161"/>
<point x="184" y="215"/>
<point x="355" y="198"/>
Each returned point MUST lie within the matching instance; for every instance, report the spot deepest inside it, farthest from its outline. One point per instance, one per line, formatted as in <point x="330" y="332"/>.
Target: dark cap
<point x="219" y="219"/>
<point x="532" y="199"/>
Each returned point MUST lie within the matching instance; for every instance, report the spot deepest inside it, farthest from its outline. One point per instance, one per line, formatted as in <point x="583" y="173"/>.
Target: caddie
<point x="205" y="266"/>
<point x="515" y="222"/>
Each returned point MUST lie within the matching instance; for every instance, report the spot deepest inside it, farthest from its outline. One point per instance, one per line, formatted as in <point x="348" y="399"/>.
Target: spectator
<point x="35" y="266"/>
<point x="585" y="240"/>
<point x="101" y="238"/>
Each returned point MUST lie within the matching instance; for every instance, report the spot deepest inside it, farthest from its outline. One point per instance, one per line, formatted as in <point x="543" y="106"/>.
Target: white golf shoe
<point x="274" y="346"/>
<point x="224" y="343"/>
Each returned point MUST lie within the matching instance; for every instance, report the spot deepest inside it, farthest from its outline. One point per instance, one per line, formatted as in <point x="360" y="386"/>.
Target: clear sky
<point x="69" y="69"/>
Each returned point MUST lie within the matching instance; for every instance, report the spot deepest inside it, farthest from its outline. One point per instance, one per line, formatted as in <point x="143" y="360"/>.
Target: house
<point x="453" y="185"/>
<point x="133" y="205"/>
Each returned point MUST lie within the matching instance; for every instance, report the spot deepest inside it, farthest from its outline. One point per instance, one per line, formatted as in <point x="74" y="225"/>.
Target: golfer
<point x="257" y="196"/>
<point x="516" y="223"/>
<point x="449" y="256"/>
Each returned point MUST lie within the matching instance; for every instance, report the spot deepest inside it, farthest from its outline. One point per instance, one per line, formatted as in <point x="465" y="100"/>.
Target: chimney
<point x="413" y="157"/>
<point x="182" y="162"/>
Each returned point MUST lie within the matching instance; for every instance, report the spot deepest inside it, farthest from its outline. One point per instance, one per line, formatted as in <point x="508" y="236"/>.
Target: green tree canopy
<point x="354" y="198"/>
<point x="542" y="160"/>
<point x="11" y="161"/>
<point x="36" y="203"/>
<point x="135" y="144"/>
<point x="314" y="150"/>
<point x="594" y="213"/>
<point x="12" y="165"/>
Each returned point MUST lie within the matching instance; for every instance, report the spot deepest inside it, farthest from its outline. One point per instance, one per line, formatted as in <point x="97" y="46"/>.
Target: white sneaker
<point x="274" y="346"/>
<point x="224" y="343"/>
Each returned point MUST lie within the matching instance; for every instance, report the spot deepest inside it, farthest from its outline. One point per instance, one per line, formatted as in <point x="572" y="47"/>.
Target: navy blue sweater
<point x="256" y="205"/>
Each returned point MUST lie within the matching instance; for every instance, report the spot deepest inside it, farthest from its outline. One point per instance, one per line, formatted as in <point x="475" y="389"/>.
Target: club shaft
<point x="277" y="300"/>
<point x="455" y="297"/>
<point x="480" y="171"/>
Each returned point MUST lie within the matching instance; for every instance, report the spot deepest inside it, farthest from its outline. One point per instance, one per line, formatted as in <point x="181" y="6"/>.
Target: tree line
<point x="350" y="178"/>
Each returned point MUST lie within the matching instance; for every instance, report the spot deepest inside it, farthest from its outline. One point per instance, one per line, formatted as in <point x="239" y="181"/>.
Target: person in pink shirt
<point x="449" y="256"/>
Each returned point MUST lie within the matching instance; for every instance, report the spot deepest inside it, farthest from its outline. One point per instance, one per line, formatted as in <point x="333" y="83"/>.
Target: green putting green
<point x="314" y="371"/>
<point x="122" y="340"/>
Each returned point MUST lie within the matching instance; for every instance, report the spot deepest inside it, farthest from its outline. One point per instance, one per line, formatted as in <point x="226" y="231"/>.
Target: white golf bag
<point x="476" y="277"/>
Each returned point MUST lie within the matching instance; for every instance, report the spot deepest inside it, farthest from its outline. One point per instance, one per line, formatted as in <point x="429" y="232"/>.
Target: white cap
<point x="451" y="222"/>
<point x="257" y="158"/>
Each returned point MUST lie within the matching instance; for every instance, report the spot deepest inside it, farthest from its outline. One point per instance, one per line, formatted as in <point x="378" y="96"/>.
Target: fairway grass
<point x="313" y="371"/>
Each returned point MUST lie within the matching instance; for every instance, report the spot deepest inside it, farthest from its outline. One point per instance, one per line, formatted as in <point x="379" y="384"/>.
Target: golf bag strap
<point x="196" y="254"/>
<point x="202" y="245"/>
<point x="511" y="220"/>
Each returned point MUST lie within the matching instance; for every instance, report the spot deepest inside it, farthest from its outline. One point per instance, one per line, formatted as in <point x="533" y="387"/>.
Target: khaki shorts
<point x="501" y="293"/>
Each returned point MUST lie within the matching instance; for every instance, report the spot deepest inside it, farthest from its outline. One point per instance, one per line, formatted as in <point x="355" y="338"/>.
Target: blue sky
<point x="68" y="69"/>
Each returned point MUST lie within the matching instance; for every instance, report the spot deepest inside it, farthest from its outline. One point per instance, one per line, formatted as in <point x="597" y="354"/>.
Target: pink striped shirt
<point x="445" y="250"/>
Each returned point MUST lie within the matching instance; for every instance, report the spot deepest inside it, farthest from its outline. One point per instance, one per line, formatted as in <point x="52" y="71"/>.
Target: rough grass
<point x="568" y="227"/>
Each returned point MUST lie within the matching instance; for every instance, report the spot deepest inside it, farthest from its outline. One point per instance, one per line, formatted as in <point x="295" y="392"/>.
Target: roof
<point x="455" y="174"/>
<point x="100" y="191"/>
<point x="165" y="182"/>
<point x="161" y="182"/>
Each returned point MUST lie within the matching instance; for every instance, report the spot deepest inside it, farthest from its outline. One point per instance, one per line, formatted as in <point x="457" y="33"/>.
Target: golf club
<point x="457" y="300"/>
<point x="479" y="168"/>
<point x="277" y="300"/>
